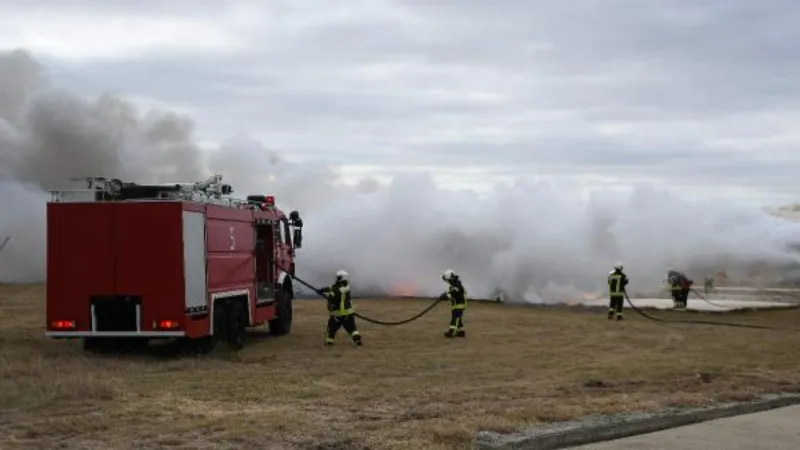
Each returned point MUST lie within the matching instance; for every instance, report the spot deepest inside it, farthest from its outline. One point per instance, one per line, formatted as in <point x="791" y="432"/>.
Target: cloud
<point x="670" y="91"/>
<point x="114" y="30"/>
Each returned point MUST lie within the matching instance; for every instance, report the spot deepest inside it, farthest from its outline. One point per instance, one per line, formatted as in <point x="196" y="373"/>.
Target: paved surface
<point x="778" y="429"/>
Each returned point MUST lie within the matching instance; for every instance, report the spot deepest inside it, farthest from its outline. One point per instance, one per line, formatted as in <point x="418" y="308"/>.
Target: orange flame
<point x="403" y="290"/>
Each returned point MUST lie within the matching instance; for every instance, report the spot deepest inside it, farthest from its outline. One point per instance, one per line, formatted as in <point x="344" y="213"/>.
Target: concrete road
<point x="778" y="429"/>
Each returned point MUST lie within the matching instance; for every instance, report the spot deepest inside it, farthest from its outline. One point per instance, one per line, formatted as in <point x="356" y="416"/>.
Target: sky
<point x="700" y="96"/>
<point x="528" y="145"/>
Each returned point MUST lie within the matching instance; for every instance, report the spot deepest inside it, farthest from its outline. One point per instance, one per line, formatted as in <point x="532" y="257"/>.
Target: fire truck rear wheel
<point x="282" y="323"/>
<point x="207" y="344"/>
<point x="236" y="325"/>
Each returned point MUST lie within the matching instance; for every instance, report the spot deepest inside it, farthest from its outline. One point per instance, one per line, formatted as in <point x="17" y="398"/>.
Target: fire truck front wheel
<point x="282" y="323"/>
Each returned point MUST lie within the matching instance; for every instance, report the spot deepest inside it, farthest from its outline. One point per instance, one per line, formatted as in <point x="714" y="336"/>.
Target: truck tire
<point x="207" y="344"/>
<point x="282" y="323"/>
<point x="236" y="324"/>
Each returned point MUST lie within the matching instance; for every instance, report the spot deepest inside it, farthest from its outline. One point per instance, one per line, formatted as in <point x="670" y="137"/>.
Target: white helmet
<point x="341" y="274"/>
<point x="618" y="266"/>
<point x="448" y="275"/>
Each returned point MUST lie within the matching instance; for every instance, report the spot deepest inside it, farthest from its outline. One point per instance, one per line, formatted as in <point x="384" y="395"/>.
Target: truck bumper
<point x="149" y="334"/>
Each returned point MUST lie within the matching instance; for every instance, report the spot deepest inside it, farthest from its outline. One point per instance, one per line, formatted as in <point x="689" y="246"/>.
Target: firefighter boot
<point x="610" y="313"/>
<point x="461" y="333"/>
<point x="357" y="338"/>
<point x="619" y="316"/>
<point x="450" y="333"/>
<point x="328" y="341"/>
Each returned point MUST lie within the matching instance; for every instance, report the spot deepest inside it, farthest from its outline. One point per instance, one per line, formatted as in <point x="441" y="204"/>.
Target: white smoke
<point x="532" y="241"/>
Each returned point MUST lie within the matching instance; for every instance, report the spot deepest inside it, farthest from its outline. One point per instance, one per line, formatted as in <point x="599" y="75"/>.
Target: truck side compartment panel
<point x="231" y="255"/>
<point x="194" y="272"/>
<point x="194" y="260"/>
<point x="231" y="261"/>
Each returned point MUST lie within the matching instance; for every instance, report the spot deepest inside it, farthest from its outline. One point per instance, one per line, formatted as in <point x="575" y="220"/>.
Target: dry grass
<point x="407" y="388"/>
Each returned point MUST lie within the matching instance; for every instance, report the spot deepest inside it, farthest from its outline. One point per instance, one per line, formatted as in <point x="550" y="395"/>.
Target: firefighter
<point x="458" y="303"/>
<point x="617" y="280"/>
<point x="340" y="309"/>
<point x="680" y="285"/>
<point x="708" y="284"/>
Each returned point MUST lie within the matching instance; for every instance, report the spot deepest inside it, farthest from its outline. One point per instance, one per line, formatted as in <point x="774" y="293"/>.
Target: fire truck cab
<point x="127" y="263"/>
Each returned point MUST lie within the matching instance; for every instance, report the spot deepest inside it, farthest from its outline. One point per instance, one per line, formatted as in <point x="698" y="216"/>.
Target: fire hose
<point x="701" y="322"/>
<point x="368" y="319"/>
<point x="707" y="300"/>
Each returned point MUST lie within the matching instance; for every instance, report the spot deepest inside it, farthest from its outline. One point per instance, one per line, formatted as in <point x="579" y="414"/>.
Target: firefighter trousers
<point x="676" y="298"/>
<point x="348" y="322"/>
<point x="680" y="298"/>
<point x="684" y="297"/>
<point x="615" y="304"/>
<point x="456" y="323"/>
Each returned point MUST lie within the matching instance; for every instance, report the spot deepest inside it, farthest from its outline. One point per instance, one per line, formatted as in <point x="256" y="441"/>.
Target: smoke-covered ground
<point x="531" y="240"/>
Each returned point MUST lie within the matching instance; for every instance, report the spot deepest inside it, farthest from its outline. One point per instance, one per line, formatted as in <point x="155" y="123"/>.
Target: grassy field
<point x="407" y="388"/>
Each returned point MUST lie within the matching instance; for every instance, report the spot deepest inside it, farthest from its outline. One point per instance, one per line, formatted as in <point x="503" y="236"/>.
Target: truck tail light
<point x="167" y="324"/>
<point x="63" y="325"/>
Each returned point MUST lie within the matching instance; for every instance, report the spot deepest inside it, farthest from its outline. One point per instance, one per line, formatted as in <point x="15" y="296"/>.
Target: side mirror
<point x="297" y="223"/>
<point x="298" y="238"/>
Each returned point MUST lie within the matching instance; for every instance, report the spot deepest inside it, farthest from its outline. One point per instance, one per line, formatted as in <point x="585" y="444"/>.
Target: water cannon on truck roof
<point x="127" y="263"/>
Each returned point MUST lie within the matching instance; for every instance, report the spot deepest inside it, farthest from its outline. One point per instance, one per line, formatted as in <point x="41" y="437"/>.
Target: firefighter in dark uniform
<point x="341" y="310"/>
<point x="458" y="304"/>
<point x="708" y="284"/>
<point x="680" y="285"/>
<point x="617" y="280"/>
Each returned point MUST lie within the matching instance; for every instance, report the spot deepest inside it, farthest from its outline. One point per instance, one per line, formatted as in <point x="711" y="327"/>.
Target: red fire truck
<point x="128" y="262"/>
